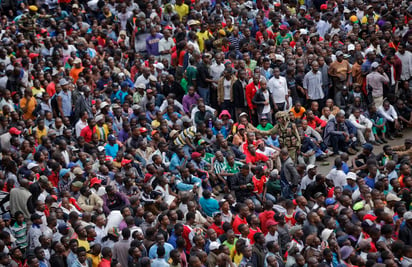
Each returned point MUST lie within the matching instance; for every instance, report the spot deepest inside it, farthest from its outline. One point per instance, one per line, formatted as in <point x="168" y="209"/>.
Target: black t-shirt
<point x="202" y="75"/>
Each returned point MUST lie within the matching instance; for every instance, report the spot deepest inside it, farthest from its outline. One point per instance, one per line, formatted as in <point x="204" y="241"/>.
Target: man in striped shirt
<point x="236" y="37"/>
<point x="187" y="136"/>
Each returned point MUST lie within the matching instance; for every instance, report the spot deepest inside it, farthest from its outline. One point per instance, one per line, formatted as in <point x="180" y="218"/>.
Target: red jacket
<point x="250" y="93"/>
<point x="264" y="217"/>
<point x="315" y="122"/>
<point x="218" y="229"/>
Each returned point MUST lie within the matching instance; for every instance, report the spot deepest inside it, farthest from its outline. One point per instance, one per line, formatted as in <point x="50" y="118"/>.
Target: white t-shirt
<point x="227" y="87"/>
<point x="279" y="89"/>
<point x="266" y="108"/>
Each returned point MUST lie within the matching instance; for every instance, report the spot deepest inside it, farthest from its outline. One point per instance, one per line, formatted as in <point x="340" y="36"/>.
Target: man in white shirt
<point x="406" y="59"/>
<point x="165" y="46"/>
<point x="389" y="113"/>
<point x="217" y="67"/>
<point x="81" y="123"/>
<point x="279" y="89"/>
<point x="363" y="126"/>
<point x="336" y="175"/>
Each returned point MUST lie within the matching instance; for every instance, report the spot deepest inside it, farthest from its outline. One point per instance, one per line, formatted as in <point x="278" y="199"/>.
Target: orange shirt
<point x="31" y="105"/>
<point x="51" y="89"/>
<point x="298" y="115"/>
<point x="74" y="73"/>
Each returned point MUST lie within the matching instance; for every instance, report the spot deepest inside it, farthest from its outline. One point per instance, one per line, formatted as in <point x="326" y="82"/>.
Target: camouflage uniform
<point x="288" y="134"/>
<point x="29" y="22"/>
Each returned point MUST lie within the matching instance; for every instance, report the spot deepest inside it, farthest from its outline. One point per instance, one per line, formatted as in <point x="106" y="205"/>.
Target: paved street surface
<point x="376" y="150"/>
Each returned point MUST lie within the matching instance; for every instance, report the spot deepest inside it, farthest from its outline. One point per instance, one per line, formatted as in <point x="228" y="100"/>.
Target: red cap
<point x="126" y="161"/>
<point x="94" y="181"/>
<point x="370" y="217"/>
<point x="143" y="130"/>
<point x="196" y="155"/>
<point x="14" y="130"/>
<point x="283" y="27"/>
<point x="33" y="55"/>
<point x="241" y="126"/>
<point x="277" y="4"/>
<point x="168" y="27"/>
<point x="323" y="7"/>
<point x="259" y="142"/>
<point x="270" y="222"/>
<point x="154" y="132"/>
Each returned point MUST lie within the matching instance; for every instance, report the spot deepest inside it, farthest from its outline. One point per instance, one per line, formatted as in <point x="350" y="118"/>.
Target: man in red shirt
<point x="88" y="131"/>
<point x="106" y="257"/>
<point x="240" y="218"/>
<point x="314" y="121"/>
<point x="266" y="215"/>
<point x="217" y="223"/>
<point x="250" y="91"/>
<point x="254" y="157"/>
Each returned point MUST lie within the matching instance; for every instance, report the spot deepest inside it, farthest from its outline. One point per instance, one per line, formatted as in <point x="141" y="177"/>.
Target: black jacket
<point x="259" y="100"/>
<point x="239" y="94"/>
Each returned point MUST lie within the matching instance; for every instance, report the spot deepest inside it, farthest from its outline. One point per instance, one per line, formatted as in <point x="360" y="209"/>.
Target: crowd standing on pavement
<point x="191" y="133"/>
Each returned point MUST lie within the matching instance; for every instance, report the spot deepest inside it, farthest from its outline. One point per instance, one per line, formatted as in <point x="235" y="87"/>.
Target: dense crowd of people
<point x="191" y="133"/>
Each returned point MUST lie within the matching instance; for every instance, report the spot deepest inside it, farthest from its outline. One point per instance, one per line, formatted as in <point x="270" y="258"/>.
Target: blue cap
<point x="330" y="201"/>
<point x="124" y="84"/>
<point x="6" y="216"/>
<point x="368" y="146"/>
<point x="63" y="172"/>
<point x="111" y="137"/>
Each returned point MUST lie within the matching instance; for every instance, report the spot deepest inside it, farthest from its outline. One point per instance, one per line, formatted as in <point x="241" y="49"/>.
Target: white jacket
<point x="361" y="123"/>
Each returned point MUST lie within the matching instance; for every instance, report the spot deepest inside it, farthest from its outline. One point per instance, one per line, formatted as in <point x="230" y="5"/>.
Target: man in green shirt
<point x="232" y="166"/>
<point x="283" y="35"/>
<point x="191" y="73"/>
<point x="264" y="124"/>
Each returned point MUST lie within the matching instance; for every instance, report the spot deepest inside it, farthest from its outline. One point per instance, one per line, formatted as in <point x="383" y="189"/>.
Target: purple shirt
<point x="189" y="101"/>
<point x="152" y="44"/>
<point x="123" y="136"/>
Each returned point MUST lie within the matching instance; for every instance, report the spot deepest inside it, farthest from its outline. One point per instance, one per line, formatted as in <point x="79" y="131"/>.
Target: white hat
<point x="100" y="148"/>
<point x="99" y="117"/>
<point x="351" y="176"/>
<point x="310" y="166"/>
<point x="214" y="245"/>
<point x="303" y="31"/>
<point x="369" y="50"/>
<point x="249" y="4"/>
<point x="140" y="85"/>
<point x="103" y="104"/>
<point x="31" y="165"/>
<point x="374" y="65"/>
<point x="280" y="57"/>
<point x="351" y="47"/>
<point x="392" y="197"/>
<point x="159" y="66"/>
<point x="152" y="78"/>
<point x="77" y="61"/>
<point x="407" y="215"/>
<point x="326" y="234"/>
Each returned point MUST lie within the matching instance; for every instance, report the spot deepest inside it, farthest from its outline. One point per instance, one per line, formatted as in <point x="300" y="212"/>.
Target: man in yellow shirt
<point x="82" y="237"/>
<point x="182" y="9"/>
<point x="41" y="130"/>
<point x="203" y="35"/>
<point x="27" y="104"/>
